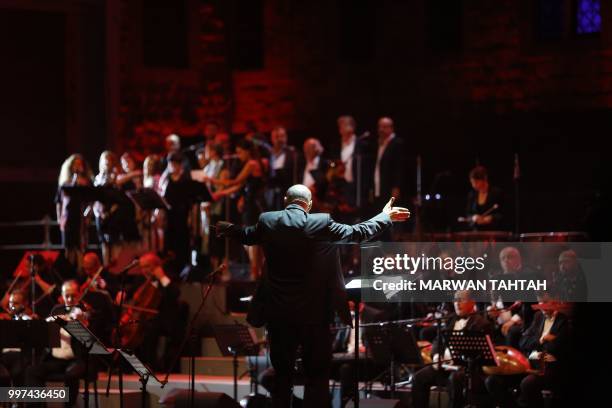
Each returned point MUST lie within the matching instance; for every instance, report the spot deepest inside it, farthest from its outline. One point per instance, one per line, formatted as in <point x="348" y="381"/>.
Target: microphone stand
<point x="190" y="335"/>
<point x="32" y="296"/>
<point x="117" y="339"/>
<point x="418" y="226"/>
<point x="517" y="201"/>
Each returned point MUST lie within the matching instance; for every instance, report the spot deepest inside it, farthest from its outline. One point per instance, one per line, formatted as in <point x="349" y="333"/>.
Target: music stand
<point x="143" y="371"/>
<point x="473" y="350"/>
<point x="90" y="342"/>
<point x="391" y="344"/>
<point x="29" y="334"/>
<point x="84" y="194"/>
<point x="235" y="340"/>
<point x="199" y="192"/>
<point x="148" y="200"/>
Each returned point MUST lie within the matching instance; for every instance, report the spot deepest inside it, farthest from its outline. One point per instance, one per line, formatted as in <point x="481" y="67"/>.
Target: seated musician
<point x="66" y="360"/>
<point x="45" y="292"/>
<point x="436" y="374"/>
<point x="512" y="318"/>
<point x="545" y="343"/>
<point x="168" y="321"/>
<point x="96" y="277"/>
<point x="484" y="202"/>
<point x="343" y="360"/>
<point x="97" y="288"/>
<point x="12" y="360"/>
<point x="569" y="280"/>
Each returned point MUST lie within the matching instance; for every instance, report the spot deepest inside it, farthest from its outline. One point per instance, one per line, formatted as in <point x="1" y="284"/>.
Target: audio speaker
<point x="179" y="398"/>
<point x="378" y="403"/>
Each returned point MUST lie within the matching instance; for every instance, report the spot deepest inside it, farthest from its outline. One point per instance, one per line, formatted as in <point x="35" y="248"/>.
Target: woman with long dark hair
<point x="250" y="184"/>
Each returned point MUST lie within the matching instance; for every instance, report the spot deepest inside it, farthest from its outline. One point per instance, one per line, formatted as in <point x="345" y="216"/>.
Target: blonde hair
<point x="66" y="171"/>
<point x="111" y="157"/>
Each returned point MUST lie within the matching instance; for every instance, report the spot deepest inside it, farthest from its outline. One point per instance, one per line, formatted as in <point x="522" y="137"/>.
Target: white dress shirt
<point x="278" y="161"/>
<point x="381" y="150"/>
<point x="307" y="178"/>
<point x="346" y="155"/>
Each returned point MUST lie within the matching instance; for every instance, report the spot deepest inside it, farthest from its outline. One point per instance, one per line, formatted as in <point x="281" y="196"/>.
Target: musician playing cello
<point x="151" y="311"/>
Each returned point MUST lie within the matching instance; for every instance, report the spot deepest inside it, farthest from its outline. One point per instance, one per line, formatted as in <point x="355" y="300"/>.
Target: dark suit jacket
<point x="303" y="282"/>
<point x="364" y="148"/>
<point x="530" y="340"/>
<point x="475" y="323"/>
<point x="317" y="174"/>
<point x="495" y="196"/>
<point x="283" y="178"/>
<point x="392" y="167"/>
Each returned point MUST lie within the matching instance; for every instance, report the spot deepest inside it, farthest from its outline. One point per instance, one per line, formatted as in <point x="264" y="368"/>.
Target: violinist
<point x="151" y="311"/>
<point x="96" y="277"/>
<point x="67" y="359"/>
<point x="97" y="290"/>
<point x="35" y="265"/>
<point x="12" y="360"/>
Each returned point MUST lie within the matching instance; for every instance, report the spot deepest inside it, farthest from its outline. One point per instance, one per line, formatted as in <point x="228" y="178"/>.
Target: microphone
<point x="261" y="143"/>
<point x="364" y="135"/>
<point x="194" y="147"/>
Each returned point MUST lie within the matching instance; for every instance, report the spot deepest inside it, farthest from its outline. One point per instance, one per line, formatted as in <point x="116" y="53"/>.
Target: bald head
<point x="510" y="260"/>
<point x="299" y="194"/>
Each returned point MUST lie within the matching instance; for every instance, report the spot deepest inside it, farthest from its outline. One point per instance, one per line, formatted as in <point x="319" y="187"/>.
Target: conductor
<point x="303" y="286"/>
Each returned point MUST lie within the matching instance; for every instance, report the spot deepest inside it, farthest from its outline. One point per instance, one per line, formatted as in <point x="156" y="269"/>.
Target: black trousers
<point x="316" y="352"/>
<point x="454" y="381"/>
<point x="12" y="365"/>
<point x="50" y="368"/>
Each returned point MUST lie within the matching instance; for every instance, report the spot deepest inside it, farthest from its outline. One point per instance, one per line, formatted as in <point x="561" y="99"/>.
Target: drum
<point x="425" y="348"/>
<point x="483" y="236"/>
<point x="560" y="236"/>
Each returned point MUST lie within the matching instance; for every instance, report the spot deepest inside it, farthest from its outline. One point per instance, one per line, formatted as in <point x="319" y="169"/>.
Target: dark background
<point x="466" y="81"/>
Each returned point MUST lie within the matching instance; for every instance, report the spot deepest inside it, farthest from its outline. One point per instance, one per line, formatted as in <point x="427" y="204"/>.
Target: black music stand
<point x="473" y="350"/>
<point x="148" y="200"/>
<point x="235" y="340"/>
<point x="92" y="344"/>
<point x="391" y="344"/>
<point x="143" y="371"/>
<point x="199" y="192"/>
<point x="84" y="194"/>
<point x="29" y="334"/>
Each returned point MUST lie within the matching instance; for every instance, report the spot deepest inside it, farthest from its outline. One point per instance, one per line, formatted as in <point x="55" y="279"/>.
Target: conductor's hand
<point x="397" y="214"/>
<point x="222" y="228"/>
